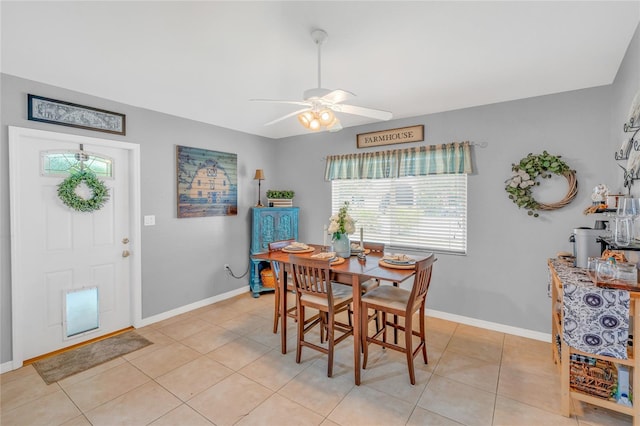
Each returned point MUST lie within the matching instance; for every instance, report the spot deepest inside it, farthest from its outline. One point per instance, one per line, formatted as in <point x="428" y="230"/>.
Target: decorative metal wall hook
<point x="633" y="174"/>
<point x="629" y="176"/>
<point x="632" y="143"/>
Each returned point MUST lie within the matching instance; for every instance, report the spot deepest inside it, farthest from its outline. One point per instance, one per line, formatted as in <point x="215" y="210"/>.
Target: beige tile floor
<point x="222" y="365"/>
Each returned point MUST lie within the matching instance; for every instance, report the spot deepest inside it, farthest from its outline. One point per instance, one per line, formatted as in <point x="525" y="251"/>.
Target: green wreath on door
<point x="67" y="192"/>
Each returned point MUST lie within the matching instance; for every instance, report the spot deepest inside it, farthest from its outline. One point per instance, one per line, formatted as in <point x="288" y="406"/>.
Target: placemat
<point x="392" y="266"/>
<point x="309" y="250"/>
<point x="338" y="261"/>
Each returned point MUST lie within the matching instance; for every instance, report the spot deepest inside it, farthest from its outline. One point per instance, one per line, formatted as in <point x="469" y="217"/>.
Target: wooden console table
<point x="562" y="352"/>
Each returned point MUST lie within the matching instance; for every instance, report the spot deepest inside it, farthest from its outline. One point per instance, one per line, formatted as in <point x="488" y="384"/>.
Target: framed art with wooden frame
<point x="391" y="137"/>
<point x="207" y="182"/>
<point x="52" y="111"/>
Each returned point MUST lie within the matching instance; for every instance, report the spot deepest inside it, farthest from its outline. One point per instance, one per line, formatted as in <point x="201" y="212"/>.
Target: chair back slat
<point x="421" y="281"/>
<point x="279" y="245"/>
<point x="311" y="276"/>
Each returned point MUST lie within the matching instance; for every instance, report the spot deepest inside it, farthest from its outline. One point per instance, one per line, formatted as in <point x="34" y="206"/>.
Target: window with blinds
<point x="423" y="213"/>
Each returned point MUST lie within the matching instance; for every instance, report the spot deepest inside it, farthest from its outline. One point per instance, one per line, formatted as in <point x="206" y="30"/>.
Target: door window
<point x="63" y="163"/>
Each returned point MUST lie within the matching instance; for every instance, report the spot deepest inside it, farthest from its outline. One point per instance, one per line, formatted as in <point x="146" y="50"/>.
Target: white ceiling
<point x="205" y="60"/>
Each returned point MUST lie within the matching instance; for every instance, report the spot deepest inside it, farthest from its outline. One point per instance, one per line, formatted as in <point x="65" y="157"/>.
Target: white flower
<point x="342" y="223"/>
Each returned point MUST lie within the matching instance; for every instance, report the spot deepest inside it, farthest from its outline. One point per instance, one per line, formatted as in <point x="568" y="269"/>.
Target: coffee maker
<point x="585" y="244"/>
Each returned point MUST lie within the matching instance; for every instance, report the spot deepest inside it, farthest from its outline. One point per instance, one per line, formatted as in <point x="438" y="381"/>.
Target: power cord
<point x="230" y="272"/>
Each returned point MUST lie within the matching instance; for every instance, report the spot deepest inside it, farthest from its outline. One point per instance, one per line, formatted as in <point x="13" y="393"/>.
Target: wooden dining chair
<point x="314" y="289"/>
<point x="403" y="303"/>
<point x="376" y="248"/>
<point x="275" y="267"/>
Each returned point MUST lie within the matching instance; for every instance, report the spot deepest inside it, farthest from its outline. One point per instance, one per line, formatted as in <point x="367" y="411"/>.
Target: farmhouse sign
<point x="390" y="137"/>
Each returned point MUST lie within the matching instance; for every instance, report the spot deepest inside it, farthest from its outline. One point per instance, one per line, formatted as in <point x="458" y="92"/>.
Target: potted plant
<point x="280" y="198"/>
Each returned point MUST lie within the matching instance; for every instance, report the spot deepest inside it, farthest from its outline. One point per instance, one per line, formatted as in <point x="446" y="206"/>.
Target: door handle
<point x="125" y="253"/>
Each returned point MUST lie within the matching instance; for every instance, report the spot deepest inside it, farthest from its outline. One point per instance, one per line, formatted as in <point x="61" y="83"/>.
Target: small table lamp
<point x="259" y="177"/>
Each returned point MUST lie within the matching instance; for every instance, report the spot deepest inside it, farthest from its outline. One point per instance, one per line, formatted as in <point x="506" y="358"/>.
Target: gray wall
<point x="503" y="278"/>
<point x="182" y="259"/>
<point x="624" y="88"/>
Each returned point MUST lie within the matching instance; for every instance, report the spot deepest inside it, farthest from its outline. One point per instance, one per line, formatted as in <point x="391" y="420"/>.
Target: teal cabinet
<point x="269" y="224"/>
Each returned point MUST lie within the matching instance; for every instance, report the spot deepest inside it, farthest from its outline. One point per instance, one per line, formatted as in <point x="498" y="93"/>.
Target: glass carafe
<point x="623" y="230"/>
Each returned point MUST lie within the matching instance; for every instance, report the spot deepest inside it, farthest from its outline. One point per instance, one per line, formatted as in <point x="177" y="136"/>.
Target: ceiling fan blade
<point x="275" y="101"/>
<point x="337" y="96"/>
<point x="365" y="112"/>
<point x="286" y="116"/>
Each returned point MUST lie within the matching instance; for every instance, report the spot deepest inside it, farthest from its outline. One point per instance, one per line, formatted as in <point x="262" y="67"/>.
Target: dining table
<point x="354" y="271"/>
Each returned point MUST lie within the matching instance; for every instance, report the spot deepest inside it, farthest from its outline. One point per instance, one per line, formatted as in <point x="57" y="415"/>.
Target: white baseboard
<point x="516" y="331"/>
<point x="199" y="304"/>
<point x="7" y="366"/>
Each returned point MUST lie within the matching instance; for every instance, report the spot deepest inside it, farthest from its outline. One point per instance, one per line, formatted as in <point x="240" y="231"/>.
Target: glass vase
<point x="342" y="245"/>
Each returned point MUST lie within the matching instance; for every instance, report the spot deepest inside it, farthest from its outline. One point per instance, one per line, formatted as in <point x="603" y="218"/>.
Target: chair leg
<point x="423" y="334"/>
<point x="276" y="311"/>
<point x="300" y="333"/>
<point x="323" y="326"/>
<point x="364" y="329"/>
<point x="395" y="322"/>
<point x="331" y="340"/>
<point x="384" y="330"/>
<point x="409" y="348"/>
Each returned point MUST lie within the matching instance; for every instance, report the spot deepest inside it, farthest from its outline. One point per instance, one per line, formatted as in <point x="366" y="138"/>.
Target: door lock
<point x="125" y="240"/>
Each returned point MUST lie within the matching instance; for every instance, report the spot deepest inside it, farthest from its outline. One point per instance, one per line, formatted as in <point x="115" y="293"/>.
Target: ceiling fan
<point x="321" y="104"/>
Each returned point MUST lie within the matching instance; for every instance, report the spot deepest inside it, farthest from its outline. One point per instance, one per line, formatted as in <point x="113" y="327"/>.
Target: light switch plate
<point x="149" y="220"/>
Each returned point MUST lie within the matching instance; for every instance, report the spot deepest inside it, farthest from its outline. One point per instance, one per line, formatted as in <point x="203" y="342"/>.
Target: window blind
<point x="423" y="213"/>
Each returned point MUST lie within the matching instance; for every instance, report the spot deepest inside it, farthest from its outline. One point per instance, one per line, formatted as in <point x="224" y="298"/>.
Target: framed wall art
<point x="52" y="111"/>
<point x="207" y="182"/>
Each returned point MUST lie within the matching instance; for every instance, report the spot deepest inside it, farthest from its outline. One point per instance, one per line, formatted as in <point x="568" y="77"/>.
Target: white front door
<point x="56" y="249"/>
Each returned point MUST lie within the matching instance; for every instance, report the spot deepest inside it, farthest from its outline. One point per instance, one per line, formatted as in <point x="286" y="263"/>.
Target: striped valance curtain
<point x="419" y="161"/>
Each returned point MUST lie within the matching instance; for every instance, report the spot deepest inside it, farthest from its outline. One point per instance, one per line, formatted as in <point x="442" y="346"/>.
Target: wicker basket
<point x="268" y="280"/>
<point x="596" y="380"/>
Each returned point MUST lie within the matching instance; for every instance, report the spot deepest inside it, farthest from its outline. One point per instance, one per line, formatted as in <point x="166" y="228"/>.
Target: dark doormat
<point x="83" y="358"/>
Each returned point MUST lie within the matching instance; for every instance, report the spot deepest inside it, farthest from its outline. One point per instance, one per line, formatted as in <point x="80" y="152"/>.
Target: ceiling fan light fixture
<point x="322" y="104"/>
<point x="305" y="118"/>
<point x="326" y="117"/>
<point x="315" y="124"/>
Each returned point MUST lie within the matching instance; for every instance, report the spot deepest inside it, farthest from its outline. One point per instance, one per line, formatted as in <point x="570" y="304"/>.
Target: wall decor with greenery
<point x="524" y="178"/>
<point x="67" y="192"/>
